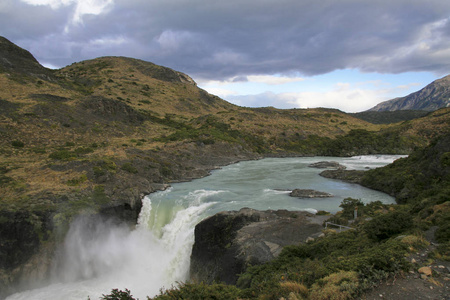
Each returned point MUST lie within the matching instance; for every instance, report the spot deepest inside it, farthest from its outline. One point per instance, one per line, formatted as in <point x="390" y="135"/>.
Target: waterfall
<point x="99" y="255"/>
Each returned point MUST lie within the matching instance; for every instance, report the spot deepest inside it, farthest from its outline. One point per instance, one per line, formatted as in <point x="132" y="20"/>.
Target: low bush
<point x="77" y="181"/>
<point x="129" y="168"/>
<point x="200" y="291"/>
<point x="337" y="286"/>
<point x="62" y="155"/>
<point x="117" y="294"/>
<point x="18" y="144"/>
<point x="387" y="225"/>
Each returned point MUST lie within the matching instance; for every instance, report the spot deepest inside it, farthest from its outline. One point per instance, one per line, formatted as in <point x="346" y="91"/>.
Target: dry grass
<point x="298" y="289"/>
<point x="337" y="286"/>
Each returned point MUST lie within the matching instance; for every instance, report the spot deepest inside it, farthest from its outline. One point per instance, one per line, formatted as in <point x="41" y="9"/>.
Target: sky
<point x="344" y="54"/>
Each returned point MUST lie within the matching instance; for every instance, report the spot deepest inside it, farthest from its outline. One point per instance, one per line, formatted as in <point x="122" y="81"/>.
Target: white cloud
<point x="268" y="80"/>
<point x="54" y="4"/>
<point x="91" y="7"/>
<point x="81" y="7"/>
<point x="223" y="93"/>
<point x="273" y="80"/>
<point x="348" y="97"/>
<point x="344" y="97"/>
<point x="171" y="40"/>
<point x="108" y="41"/>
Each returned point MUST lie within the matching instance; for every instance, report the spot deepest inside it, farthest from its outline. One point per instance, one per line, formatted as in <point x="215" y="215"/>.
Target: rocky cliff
<point x="432" y="97"/>
<point x="227" y="243"/>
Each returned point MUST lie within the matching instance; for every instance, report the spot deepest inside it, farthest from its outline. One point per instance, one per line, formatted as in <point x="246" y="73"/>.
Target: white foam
<point x="278" y="192"/>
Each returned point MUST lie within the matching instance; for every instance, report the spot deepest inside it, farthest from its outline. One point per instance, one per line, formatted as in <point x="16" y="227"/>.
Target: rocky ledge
<point x="306" y="193"/>
<point x="229" y="242"/>
<point x="352" y="176"/>
<point x="327" y="165"/>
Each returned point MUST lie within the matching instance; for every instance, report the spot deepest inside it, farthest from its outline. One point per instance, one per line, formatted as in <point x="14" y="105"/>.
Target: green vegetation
<point x="355" y="142"/>
<point x="208" y="130"/>
<point x="389" y="117"/>
<point x="77" y="181"/>
<point x="117" y="294"/>
<point x="129" y="168"/>
<point x="201" y="291"/>
<point x="17" y="144"/>
<point x="65" y="154"/>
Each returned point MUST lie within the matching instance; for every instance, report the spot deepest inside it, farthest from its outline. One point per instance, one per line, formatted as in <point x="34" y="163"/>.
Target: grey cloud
<point x="223" y="39"/>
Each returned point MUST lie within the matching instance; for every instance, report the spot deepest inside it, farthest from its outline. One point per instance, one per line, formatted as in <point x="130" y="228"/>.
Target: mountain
<point x="19" y="62"/>
<point x="432" y="97"/>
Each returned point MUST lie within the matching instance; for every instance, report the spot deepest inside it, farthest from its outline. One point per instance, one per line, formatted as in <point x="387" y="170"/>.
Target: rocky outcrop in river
<point x="307" y="193"/>
<point x="327" y="165"/>
<point x="229" y="242"/>
<point x="352" y="176"/>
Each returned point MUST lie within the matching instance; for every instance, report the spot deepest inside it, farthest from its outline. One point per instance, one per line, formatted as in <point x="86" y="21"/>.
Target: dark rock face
<point x="327" y="165"/>
<point x="18" y="243"/>
<point x="306" y="193"/>
<point x="229" y="242"/>
<point x="112" y="110"/>
<point x="14" y="59"/>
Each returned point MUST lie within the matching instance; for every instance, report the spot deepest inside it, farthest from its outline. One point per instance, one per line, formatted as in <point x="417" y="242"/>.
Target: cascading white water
<point x="99" y="255"/>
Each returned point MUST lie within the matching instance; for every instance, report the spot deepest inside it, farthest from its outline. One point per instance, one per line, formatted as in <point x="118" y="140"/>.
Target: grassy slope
<point x="109" y="105"/>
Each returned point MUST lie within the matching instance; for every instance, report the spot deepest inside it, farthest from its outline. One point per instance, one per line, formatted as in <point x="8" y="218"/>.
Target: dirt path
<point x="417" y="285"/>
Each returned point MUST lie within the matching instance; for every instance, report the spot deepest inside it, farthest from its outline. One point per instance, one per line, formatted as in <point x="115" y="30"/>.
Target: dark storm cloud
<point x="222" y="39"/>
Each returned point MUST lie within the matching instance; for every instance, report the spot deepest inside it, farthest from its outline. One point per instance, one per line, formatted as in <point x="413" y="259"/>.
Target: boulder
<point x="425" y="271"/>
<point x="306" y="193"/>
<point x="229" y="242"/>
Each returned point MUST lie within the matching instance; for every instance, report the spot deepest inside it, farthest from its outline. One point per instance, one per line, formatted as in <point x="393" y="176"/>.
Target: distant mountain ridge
<point x="434" y="96"/>
<point x="17" y="60"/>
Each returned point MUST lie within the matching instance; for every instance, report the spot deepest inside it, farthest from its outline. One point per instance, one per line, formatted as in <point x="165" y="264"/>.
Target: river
<point x="100" y="256"/>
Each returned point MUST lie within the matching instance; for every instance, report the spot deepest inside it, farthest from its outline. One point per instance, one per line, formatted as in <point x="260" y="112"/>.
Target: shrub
<point x="77" y="181"/>
<point x="98" y="171"/>
<point x="129" y="168"/>
<point x="443" y="233"/>
<point x="337" y="286"/>
<point x="348" y="207"/>
<point x="62" y="155"/>
<point x="294" y="287"/>
<point x="387" y="225"/>
<point x="117" y="294"/>
<point x="17" y="144"/>
<point x="39" y="150"/>
<point x="200" y="291"/>
<point x="83" y="150"/>
<point x="414" y="242"/>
